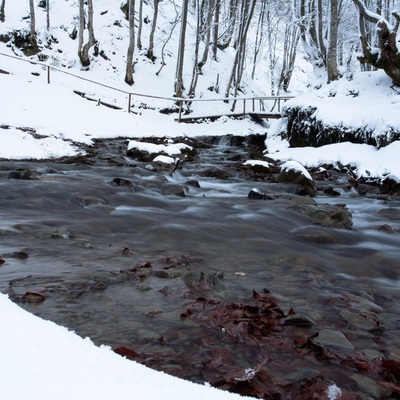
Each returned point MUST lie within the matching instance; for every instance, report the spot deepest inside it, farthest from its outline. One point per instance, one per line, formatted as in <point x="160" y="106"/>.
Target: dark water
<point x="84" y="236"/>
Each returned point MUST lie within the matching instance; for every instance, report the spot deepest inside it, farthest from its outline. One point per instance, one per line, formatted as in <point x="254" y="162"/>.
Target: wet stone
<point x="367" y="385"/>
<point x="326" y="215"/>
<point x="122" y="182"/>
<point x="386" y="228"/>
<point x="330" y="191"/>
<point x="173" y="190"/>
<point x="333" y="338"/>
<point x="24" y="174"/>
<point x="391" y="213"/>
<point x="256" y="194"/>
<point x="360" y="303"/>
<point x="366" y="320"/>
<point x="193" y="183"/>
<point x="299" y="320"/>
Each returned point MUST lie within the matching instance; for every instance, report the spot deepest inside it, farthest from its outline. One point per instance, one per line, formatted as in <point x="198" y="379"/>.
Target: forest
<point x="336" y="37"/>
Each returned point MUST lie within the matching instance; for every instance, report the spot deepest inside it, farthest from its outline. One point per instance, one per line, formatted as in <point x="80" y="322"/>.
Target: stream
<point x="134" y="256"/>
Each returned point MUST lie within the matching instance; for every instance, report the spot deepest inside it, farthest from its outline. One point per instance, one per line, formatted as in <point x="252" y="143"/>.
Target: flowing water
<point x="79" y="239"/>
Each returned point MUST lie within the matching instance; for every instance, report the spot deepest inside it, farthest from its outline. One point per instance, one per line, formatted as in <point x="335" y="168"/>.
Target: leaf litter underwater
<point x="248" y="295"/>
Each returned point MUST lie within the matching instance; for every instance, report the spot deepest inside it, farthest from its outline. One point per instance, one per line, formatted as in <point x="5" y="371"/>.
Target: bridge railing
<point x="256" y="104"/>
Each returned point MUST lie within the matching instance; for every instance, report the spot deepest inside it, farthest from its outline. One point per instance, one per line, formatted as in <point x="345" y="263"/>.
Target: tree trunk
<point x="139" y="32"/>
<point x="320" y="37"/>
<point x="311" y="48"/>
<point x="150" y="50"/>
<point x="331" y="59"/>
<point x="388" y="58"/>
<point x="181" y="51"/>
<point x="231" y="22"/>
<point x="196" y="67"/>
<point x="207" y="27"/>
<point x="215" y="29"/>
<point x="2" y="11"/>
<point x="259" y="37"/>
<point x="33" y="24"/>
<point x="291" y="41"/>
<point x="83" y="51"/>
<point x="81" y="26"/>
<point x="48" y="15"/>
<point x="131" y="48"/>
<point x="238" y="65"/>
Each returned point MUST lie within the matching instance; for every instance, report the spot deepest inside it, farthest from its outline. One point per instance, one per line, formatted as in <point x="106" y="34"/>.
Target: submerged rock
<point x="333" y="216"/>
<point x="333" y="338"/>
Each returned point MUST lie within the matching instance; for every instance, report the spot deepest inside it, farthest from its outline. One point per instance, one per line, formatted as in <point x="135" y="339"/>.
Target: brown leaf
<point x="33" y="297"/>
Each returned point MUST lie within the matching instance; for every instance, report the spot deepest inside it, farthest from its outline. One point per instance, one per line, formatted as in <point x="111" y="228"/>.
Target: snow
<point x="41" y="360"/>
<point x="334" y="392"/>
<point x="170" y="149"/>
<point x="257" y="162"/>
<point x="376" y="107"/>
<point x="295" y="166"/>
<point x="164" y="160"/>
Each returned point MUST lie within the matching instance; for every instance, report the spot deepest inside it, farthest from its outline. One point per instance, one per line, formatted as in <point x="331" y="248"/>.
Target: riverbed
<point x="137" y="256"/>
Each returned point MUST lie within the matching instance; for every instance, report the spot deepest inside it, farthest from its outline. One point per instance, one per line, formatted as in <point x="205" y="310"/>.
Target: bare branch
<point x="396" y="15"/>
<point x="367" y="14"/>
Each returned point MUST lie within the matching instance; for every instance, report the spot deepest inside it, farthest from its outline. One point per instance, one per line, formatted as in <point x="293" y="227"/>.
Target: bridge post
<point x="48" y="74"/>
<point x="244" y="106"/>
<point x="129" y="102"/>
<point x="180" y="110"/>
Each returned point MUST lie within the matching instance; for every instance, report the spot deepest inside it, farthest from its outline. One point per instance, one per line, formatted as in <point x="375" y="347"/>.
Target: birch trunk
<point x="2" y="11"/>
<point x="33" y="24"/>
<point x="181" y="51"/>
<point x="150" y="50"/>
<point x="331" y="58"/>
<point x="131" y="48"/>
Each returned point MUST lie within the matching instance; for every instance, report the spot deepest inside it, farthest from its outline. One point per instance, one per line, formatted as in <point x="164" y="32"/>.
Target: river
<point x="111" y="250"/>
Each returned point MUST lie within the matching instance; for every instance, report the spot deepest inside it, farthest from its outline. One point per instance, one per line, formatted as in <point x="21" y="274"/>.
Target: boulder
<point x="293" y="172"/>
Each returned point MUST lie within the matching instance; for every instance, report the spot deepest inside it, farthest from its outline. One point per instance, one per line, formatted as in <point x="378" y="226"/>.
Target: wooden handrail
<point x="178" y="100"/>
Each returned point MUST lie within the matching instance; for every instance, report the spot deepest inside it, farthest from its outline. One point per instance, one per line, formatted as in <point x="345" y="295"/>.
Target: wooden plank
<point x="255" y="115"/>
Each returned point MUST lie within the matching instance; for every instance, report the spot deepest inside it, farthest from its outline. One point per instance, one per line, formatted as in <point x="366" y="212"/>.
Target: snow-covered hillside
<point x="112" y="34"/>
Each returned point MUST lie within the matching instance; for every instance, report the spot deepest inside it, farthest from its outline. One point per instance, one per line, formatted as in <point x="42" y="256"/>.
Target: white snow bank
<point x="16" y="144"/>
<point x="41" y="360"/>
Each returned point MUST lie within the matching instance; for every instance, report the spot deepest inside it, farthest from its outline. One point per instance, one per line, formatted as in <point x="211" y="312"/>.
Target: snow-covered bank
<point x="41" y="360"/>
<point x="368" y="101"/>
<point x="364" y="160"/>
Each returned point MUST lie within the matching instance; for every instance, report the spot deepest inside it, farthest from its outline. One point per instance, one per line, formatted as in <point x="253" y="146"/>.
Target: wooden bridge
<point x="258" y="108"/>
<point x="189" y="109"/>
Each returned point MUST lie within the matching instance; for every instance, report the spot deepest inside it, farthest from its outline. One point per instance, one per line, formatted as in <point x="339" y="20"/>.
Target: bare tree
<point x="230" y="22"/>
<point x="206" y="29"/>
<point x="48" y="14"/>
<point x="140" y="25"/>
<point x="239" y="62"/>
<point x="2" y="11"/>
<point x="215" y="29"/>
<point x="131" y="47"/>
<point x="150" y="49"/>
<point x="33" y="39"/>
<point x="181" y="51"/>
<point x="388" y="56"/>
<point x="259" y="36"/>
<point x="196" y="65"/>
<point x="331" y="56"/>
<point x="291" y="40"/>
<point x="83" y="51"/>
